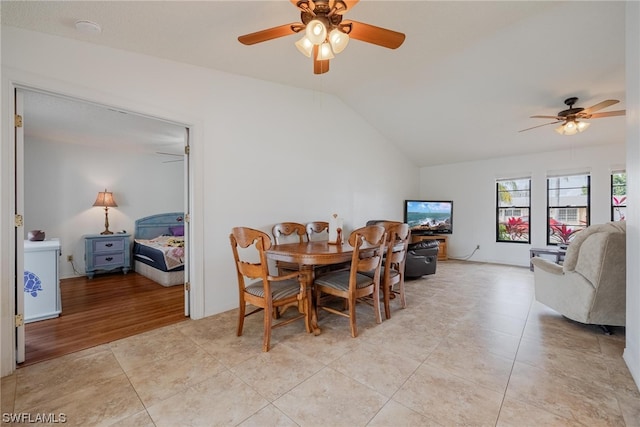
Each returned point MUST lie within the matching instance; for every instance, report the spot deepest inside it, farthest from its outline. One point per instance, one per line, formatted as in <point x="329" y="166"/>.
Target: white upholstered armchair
<point x="590" y="287"/>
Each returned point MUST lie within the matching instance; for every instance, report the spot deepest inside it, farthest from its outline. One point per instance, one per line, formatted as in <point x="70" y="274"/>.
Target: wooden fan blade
<point x="599" y="106"/>
<point x="547" y="117"/>
<point x="304" y="5"/>
<point x="268" y="34"/>
<point x="319" y="66"/>
<point x="606" y="114"/>
<point x="376" y="35"/>
<point x="546" y="124"/>
<point x="350" y="4"/>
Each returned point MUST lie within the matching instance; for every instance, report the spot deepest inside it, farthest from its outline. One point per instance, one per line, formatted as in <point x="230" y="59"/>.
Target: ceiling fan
<point x="325" y="32"/>
<point x="572" y="116"/>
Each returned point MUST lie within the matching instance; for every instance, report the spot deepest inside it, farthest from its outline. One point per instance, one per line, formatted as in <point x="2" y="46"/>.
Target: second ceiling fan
<point x="325" y="32"/>
<point x="572" y="116"/>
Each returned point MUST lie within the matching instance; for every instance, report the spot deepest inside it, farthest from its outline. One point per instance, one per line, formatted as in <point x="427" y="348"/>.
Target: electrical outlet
<point x="477" y="247"/>
<point x="70" y="258"/>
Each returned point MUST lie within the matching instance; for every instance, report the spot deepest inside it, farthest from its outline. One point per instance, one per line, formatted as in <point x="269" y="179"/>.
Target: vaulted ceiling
<point x="462" y="85"/>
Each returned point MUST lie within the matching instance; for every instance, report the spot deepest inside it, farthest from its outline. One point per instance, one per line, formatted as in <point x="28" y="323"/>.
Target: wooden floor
<point x="100" y="310"/>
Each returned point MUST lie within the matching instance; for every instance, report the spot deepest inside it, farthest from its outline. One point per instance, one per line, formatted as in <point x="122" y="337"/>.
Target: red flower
<point x="618" y="202"/>
<point x="516" y="227"/>
<point x="560" y="231"/>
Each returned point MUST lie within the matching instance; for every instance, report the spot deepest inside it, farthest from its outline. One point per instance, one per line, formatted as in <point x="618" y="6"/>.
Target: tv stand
<point x="442" y="250"/>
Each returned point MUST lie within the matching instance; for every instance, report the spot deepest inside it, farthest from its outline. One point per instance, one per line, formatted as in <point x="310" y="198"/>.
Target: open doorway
<point x="74" y="149"/>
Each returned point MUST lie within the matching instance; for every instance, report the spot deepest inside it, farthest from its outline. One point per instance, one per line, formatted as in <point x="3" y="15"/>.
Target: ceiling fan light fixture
<point x="338" y="40"/>
<point x="582" y="126"/>
<point x="316" y="31"/>
<point x="572" y="127"/>
<point x="325" y="52"/>
<point x="305" y="46"/>
<point x="568" y="128"/>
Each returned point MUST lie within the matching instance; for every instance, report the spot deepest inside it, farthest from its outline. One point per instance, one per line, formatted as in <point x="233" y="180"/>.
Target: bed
<point x="158" y="248"/>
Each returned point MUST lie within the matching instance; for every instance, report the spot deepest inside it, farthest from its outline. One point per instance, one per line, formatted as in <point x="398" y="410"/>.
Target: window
<point x="513" y="202"/>
<point x="568" y="207"/>
<point x="618" y="196"/>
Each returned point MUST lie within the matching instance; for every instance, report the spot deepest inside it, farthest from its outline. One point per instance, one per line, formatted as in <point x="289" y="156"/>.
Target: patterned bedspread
<point x="172" y="247"/>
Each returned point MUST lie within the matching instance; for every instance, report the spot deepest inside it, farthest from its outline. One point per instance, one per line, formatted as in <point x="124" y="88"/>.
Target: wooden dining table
<point x="308" y="255"/>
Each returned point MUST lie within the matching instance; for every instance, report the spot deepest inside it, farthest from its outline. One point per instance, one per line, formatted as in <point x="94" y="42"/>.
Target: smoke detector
<point x="88" y="27"/>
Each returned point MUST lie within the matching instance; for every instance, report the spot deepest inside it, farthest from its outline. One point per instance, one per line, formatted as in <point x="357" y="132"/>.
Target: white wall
<point x="258" y="154"/>
<point x="61" y="182"/>
<point x="632" y="349"/>
<point x="472" y="187"/>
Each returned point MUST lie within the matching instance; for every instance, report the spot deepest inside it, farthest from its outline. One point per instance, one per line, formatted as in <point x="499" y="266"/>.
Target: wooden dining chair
<point x="267" y="293"/>
<point x="368" y="247"/>
<point x="392" y="274"/>
<point x="317" y="230"/>
<point x="288" y="232"/>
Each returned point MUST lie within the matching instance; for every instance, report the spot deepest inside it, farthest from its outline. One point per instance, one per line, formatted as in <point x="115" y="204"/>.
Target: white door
<point x="19" y="235"/>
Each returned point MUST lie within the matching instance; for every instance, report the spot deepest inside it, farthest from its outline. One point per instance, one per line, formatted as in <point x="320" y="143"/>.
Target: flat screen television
<point x="429" y="216"/>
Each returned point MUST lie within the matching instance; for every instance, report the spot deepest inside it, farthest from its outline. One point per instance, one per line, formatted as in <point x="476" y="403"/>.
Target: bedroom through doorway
<point x="72" y="150"/>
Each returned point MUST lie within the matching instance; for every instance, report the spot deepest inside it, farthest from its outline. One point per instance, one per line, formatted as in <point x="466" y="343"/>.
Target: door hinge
<point x="187" y="286"/>
<point x="18" y="121"/>
<point x="187" y="218"/>
<point x="19" y="222"/>
<point x="186" y="150"/>
<point x="19" y="320"/>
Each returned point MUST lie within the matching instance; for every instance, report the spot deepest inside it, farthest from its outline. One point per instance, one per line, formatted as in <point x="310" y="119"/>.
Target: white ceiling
<point x="465" y="81"/>
<point x="64" y="120"/>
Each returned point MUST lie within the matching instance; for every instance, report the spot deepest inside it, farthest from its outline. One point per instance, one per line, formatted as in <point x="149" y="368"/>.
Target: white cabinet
<point x="41" y="280"/>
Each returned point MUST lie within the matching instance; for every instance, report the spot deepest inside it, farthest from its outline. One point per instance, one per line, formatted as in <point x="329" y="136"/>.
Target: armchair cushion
<point x="422" y="258"/>
<point x="424" y="244"/>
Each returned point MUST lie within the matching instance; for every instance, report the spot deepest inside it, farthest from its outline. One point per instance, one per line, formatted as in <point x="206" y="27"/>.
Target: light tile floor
<point x="472" y="348"/>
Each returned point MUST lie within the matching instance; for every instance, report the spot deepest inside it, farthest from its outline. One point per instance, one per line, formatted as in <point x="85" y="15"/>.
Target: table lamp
<point x="105" y="199"/>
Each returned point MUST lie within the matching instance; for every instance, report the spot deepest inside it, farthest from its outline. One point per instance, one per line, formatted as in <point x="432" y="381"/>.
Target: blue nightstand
<point x="107" y="252"/>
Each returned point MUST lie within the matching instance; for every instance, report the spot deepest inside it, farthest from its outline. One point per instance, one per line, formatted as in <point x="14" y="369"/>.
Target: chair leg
<point x="352" y="317"/>
<point x="403" y="301"/>
<point x="268" y="313"/>
<point x="317" y="294"/>
<point x="386" y="293"/>
<point x="376" y="303"/>
<point x="241" y="311"/>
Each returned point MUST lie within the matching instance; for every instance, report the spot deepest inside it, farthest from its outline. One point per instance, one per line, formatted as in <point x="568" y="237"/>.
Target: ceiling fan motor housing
<point x="570" y="111"/>
<point x="321" y="13"/>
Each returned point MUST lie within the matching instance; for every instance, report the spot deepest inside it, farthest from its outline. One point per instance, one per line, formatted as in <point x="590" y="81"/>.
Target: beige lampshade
<point x="338" y="40"/>
<point x="316" y="32"/>
<point x="324" y="52"/>
<point x="105" y="199"/>
<point x="305" y="46"/>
